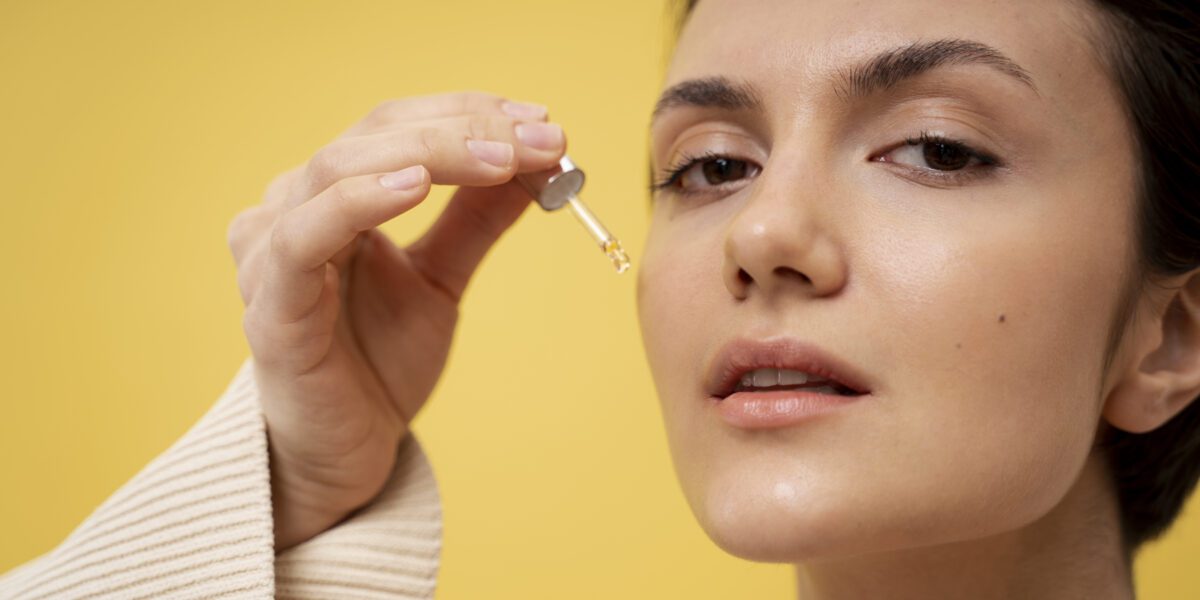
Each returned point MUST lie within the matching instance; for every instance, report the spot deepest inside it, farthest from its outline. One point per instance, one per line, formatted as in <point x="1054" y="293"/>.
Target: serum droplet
<point x="616" y="253"/>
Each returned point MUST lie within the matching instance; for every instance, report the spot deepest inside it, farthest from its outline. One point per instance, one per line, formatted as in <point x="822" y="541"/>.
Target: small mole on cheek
<point x="1001" y="318"/>
<point x="958" y="345"/>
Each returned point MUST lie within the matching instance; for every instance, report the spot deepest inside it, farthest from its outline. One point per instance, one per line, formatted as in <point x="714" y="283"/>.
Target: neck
<point x="1073" y="551"/>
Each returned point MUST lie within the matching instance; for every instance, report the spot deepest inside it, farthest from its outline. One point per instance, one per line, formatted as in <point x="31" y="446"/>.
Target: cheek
<point x="675" y="292"/>
<point x="990" y="344"/>
<point x="985" y="330"/>
<point x="1016" y="306"/>
<point x="682" y="311"/>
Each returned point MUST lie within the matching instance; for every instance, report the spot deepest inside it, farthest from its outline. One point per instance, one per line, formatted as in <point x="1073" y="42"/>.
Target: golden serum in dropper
<point x="559" y="187"/>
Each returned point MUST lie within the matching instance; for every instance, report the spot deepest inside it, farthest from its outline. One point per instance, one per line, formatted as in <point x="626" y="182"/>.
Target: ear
<point x="1161" y="369"/>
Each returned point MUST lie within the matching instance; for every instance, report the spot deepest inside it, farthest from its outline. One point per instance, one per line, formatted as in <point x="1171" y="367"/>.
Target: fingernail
<point x="404" y="179"/>
<point x="543" y="136"/>
<point x="496" y="153"/>
<point x="524" y="110"/>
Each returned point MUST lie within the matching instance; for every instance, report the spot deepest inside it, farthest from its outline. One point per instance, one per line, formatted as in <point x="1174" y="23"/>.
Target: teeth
<point x="792" y="377"/>
<point x="766" y="377"/>
<point x="774" y="377"/>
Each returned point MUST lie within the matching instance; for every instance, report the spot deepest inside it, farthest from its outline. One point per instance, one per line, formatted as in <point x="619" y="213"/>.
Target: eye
<point x="939" y="158"/>
<point x="700" y="174"/>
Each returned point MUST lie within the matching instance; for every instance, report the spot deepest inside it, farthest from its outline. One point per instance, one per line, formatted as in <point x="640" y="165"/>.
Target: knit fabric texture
<point x="197" y="523"/>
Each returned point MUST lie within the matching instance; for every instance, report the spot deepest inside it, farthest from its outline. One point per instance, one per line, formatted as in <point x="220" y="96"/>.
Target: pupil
<point x="945" y="157"/>
<point x="722" y="169"/>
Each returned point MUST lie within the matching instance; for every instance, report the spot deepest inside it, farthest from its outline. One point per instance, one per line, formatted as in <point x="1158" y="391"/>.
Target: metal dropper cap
<point x="558" y="187"/>
<point x="553" y="188"/>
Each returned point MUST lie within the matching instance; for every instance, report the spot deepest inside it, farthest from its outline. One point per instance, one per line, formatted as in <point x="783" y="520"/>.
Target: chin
<point x="780" y="521"/>
<point x="775" y="522"/>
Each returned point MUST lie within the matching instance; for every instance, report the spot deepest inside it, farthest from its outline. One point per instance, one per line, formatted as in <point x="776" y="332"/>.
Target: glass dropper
<point x="559" y="187"/>
<point x="608" y="244"/>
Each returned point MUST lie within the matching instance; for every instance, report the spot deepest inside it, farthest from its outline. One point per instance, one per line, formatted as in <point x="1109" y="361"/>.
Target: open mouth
<point x="784" y="379"/>
<point x="828" y="387"/>
<point x="781" y="365"/>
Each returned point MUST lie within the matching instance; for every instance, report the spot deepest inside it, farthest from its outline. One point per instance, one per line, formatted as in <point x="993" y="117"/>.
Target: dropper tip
<point x="617" y="254"/>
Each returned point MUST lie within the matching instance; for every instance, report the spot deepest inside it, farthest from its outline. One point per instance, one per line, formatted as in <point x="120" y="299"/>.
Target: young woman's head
<point x="983" y="211"/>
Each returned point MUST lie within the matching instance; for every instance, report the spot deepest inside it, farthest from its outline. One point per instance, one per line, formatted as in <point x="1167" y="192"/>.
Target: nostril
<point x="790" y="272"/>
<point x="744" y="277"/>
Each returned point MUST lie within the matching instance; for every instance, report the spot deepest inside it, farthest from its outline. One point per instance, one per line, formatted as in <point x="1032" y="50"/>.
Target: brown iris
<point x="720" y="170"/>
<point x="946" y="157"/>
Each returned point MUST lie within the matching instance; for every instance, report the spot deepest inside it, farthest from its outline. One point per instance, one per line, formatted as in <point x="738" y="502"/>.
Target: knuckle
<point x="323" y="167"/>
<point x="425" y="143"/>
<point x="470" y="101"/>
<point x="251" y="264"/>
<point x="235" y="231"/>
<point x="343" y="197"/>
<point x="388" y="111"/>
<point x="283" y="242"/>
<point x="481" y="222"/>
<point x="246" y="283"/>
<point x="279" y="186"/>
<point x="483" y="127"/>
<point x="276" y="184"/>
<point x="242" y="230"/>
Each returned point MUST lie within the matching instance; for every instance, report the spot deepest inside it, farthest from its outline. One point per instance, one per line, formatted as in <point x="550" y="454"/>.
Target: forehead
<point x="791" y="46"/>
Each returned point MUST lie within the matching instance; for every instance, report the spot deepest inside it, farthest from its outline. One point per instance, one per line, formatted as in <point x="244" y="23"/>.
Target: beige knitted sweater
<point x="196" y="523"/>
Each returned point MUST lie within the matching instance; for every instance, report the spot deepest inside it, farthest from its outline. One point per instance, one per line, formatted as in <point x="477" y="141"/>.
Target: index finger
<point x="432" y="106"/>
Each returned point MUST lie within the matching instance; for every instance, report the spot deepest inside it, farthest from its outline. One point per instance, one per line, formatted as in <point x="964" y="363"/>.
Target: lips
<point x="743" y="355"/>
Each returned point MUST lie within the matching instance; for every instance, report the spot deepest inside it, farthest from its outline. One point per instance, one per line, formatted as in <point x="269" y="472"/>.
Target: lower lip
<point x="781" y="408"/>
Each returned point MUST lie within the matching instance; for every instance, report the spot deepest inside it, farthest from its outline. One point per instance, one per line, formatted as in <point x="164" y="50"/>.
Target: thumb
<point x="473" y="220"/>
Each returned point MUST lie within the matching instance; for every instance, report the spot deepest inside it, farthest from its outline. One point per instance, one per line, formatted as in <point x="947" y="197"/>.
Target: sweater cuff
<point x="197" y="521"/>
<point x="389" y="548"/>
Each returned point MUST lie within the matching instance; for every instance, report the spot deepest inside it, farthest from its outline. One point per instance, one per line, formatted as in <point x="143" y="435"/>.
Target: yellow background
<point x="134" y="131"/>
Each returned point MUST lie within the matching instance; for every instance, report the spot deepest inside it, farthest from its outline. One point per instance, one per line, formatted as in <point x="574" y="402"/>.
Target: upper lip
<point x="743" y="355"/>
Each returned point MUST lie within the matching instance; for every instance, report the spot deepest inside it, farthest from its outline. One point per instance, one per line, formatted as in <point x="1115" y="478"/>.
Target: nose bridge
<point x="782" y="240"/>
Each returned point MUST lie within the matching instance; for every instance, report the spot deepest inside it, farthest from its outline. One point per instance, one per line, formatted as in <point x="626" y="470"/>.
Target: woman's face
<point x="971" y="284"/>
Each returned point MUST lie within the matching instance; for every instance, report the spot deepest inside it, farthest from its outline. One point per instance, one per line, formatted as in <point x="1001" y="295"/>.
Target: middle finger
<point x="450" y="148"/>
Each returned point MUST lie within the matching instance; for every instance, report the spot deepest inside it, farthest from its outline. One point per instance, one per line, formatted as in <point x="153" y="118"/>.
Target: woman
<point x="867" y="205"/>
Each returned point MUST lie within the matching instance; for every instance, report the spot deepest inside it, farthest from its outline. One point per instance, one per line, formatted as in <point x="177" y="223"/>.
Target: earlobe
<point x="1163" y="370"/>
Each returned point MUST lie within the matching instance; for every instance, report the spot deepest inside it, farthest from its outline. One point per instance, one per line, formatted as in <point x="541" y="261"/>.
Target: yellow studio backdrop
<point x="135" y="131"/>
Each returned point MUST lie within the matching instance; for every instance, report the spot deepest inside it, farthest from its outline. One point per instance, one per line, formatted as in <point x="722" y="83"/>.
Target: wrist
<point x="297" y="522"/>
<point x="303" y="509"/>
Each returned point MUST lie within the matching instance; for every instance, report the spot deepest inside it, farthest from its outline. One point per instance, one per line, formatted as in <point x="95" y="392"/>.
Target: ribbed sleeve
<point x="196" y="523"/>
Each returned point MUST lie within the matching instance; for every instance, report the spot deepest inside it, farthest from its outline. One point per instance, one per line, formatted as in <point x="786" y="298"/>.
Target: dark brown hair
<point x="1152" y="49"/>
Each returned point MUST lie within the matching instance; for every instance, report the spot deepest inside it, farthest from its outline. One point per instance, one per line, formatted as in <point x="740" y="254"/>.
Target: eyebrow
<point x="879" y="72"/>
<point x="887" y="69"/>
<point x="708" y="92"/>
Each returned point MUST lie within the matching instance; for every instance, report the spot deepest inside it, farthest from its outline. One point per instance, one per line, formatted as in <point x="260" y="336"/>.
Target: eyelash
<point x="986" y="161"/>
<point x="954" y="177"/>
<point x="686" y="162"/>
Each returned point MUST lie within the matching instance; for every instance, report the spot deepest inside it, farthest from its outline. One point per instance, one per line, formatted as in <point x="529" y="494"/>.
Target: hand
<point x="350" y="332"/>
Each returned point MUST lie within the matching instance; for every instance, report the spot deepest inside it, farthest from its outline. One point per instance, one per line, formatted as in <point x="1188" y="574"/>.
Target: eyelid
<point x="971" y="148"/>
<point x="716" y="137"/>
<point x="704" y="141"/>
<point x="681" y="165"/>
<point x="988" y="165"/>
<point x="687" y="162"/>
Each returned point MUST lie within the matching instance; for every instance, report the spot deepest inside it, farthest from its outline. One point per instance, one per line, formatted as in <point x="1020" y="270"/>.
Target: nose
<point x="783" y="241"/>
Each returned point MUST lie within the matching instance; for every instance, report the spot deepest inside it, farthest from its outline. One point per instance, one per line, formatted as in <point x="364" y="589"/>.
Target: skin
<point x="979" y="309"/>
<point x="350" y="332"/>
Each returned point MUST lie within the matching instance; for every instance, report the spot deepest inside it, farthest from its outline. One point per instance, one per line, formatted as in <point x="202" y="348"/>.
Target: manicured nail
<point x="404" y="179"/>
<point x="543" y="136"/>
<point x="496" y="153"/>
<point x="524" y="110"/>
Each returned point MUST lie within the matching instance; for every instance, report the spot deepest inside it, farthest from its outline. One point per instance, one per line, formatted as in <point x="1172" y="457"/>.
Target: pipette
<point x="559" y="187"/>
